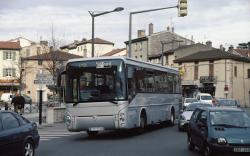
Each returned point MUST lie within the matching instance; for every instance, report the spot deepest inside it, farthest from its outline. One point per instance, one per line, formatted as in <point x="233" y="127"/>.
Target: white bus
<point x="108" y="93"/>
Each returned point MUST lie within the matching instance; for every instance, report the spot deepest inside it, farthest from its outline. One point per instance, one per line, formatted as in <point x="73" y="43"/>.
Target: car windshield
<point x="206" y="97"/>
<point x="95" y="80"/>
<point x="193" y="106"/>
<point x="191" y="100"/>
<point x="227" y="102"/>
<point x="230" y="119"/>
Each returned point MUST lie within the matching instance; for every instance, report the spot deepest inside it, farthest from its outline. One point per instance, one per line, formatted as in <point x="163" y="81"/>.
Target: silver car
<point x="186" y="114"/>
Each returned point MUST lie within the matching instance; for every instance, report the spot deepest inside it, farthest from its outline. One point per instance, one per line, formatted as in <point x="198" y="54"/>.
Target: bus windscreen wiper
<point x="114" y="102"/>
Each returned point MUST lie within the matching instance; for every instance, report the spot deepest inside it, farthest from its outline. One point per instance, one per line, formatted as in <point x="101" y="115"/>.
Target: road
<point x="158" y="141"/>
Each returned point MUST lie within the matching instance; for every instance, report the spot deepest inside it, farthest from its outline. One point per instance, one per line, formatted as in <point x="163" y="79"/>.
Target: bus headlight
<point x="68" y="119"/>
<point x="122" y="117"/>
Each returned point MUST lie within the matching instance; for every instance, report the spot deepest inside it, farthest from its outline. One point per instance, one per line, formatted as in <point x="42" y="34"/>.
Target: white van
<point x="7" y="97"/>
<point x="204" y="97"/>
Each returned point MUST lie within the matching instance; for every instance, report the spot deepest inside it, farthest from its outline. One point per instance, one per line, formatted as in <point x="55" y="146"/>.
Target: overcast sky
<point x="221" y="21"/>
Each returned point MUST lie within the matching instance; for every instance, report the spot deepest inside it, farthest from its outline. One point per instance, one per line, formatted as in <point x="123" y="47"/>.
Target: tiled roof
<point x="145" y="38"/>
<point x="96" y="41"/>
<point x="243" y="52"/>
<point x="113" y="52"/>
<point x="10" y="45"/>
<point x="55" y="55"/>
<point x="215" y="54"/>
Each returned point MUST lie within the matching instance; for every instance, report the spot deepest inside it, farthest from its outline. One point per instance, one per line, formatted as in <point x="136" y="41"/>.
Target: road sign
<point x="44" y="81"/>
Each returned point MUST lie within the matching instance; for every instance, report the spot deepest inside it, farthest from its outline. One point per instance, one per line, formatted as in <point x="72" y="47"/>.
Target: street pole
<point x="93" y="36"/>
<point x="93" y="14"/>
<point x="130" y="23"/>
<point x="40" y="106"/>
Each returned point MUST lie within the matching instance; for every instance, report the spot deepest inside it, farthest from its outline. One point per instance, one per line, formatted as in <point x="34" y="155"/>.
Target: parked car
<point x="227" y="103"/>
<point x="187" y="101"/>
<point x="219" y="129"/>
<point x="204" y="97"/>
<point x="18" y="136"/>
<point x="187" y="113"/>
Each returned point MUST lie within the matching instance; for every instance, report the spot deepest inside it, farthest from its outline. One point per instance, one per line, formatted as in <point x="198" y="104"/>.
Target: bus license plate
<point x="241" y="149"/>
<point x="96" y="128"/>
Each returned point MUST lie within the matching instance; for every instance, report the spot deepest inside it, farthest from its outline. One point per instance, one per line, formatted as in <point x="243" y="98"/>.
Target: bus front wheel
<point x="92" y="133"/>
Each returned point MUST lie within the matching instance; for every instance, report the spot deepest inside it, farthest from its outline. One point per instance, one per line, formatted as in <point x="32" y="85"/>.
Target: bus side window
<point x="131" y="82"/>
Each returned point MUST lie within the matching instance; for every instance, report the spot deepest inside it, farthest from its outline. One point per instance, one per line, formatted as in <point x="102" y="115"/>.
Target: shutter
<point x="13" y="72"/>
<point x="4" y="55"/>
<point x="14" y="56"/>
<point x="4" y="72"/>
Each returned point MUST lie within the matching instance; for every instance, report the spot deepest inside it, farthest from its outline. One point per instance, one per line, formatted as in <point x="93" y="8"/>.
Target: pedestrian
<point x="18" y="102"/>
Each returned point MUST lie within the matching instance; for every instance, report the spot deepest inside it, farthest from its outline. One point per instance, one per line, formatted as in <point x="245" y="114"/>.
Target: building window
<point x="78" y="49"/>
<point x="211" y="68"/>
<point x="135" y="46"/>
<point x="235" y="71"/>
<point x="196" y="70"/>
<point x="9" y="72"/>
<point x="140" y="46"/>
<point x="248" y="73"/>
<point x="85" y="52"/>
<point x="136" y="57"/>
<point x="40" y="62"/>
<point x="9" y="55"/>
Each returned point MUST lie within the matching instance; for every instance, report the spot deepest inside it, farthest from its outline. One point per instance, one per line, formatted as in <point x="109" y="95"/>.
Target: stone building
<point x="220" y="73"/>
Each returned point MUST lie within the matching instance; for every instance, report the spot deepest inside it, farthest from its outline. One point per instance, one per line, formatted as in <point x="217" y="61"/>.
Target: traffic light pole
<point x="130" y="23"/>
<point x="40" y="106"/>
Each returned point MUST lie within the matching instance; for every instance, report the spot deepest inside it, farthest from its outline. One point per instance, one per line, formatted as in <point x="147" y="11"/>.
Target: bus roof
<point x="130" y="61"/>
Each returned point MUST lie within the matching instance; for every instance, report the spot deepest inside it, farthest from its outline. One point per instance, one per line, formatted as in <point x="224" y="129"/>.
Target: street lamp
<point x="182" y="9"/>
<point x="95" y="14"/>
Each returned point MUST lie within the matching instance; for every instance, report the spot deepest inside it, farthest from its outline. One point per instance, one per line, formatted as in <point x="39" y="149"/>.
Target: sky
<point x="225" y="22"/>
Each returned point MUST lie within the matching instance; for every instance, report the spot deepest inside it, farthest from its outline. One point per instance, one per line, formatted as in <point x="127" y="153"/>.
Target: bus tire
<point x="92" y="133"/>
<point x="172" y="117"/>
<point x="143" y="123"/>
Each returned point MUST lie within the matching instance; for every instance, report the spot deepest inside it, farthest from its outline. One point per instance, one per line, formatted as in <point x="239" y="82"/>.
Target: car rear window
<point x="9" y="121"/>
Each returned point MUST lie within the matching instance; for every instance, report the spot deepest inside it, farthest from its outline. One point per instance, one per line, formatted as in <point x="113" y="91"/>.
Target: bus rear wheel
<point x="143" y="123"/>
<point x="92" y="133"/>
<point x="172" y="118"/>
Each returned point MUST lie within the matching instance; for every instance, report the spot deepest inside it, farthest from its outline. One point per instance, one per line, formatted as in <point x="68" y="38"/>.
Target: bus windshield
<point x="95" y="81"/>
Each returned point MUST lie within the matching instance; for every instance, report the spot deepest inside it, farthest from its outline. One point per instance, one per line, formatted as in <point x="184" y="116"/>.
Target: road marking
<point x="54" y="134"/>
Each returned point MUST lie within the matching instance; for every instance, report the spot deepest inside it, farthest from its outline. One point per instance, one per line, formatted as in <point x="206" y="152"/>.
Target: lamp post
<point x="95" y="14"/>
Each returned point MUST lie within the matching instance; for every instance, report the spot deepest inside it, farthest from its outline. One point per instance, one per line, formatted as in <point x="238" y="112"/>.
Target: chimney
<point x="75" y="41"/>
<point x="84" y="39"/>
<point x="172" y="29"/>
<point x="150" y="29"/>
<point x="230" y="49"/>
<point x="168" y="28"/>
<point x="209" y="43"/>
<point x="222" y="48"/>
<point x="141" y="33"/>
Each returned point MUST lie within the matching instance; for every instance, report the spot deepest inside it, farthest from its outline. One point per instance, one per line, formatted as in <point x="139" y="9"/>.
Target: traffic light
<point x="182" y="8"/>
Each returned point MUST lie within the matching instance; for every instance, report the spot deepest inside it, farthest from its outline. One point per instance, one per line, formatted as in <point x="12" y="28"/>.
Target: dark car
<point x="227" y="103"/>
<point x="187" y="113"/>
<point x="18" y="136"/>
<point x="217" y="129"/>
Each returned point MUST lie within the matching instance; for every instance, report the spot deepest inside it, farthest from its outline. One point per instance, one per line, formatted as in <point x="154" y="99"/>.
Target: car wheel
<point x="191" y="145"/>
<point x="208" y="151"/>
<point x="28" y="149"/>
<point x="92" y="133"/>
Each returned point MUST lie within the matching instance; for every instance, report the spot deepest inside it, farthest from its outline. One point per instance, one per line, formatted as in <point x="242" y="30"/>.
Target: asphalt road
<point x="157" y="141"/>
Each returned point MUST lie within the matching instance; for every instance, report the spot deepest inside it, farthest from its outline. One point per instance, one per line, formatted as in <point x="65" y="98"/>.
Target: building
<point x="220" y="73"/>
<point x="144" y="46"/>
<point x="242" y="52"/>
<point x="24" y="42"/>
<point x="48" y="65"/>
<point x="35" y="49"/>
<point x="84" y="47"/>
<point x="170" y="55"/>
<point x="9" y="66"/>
<point x="117" y="52"/>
